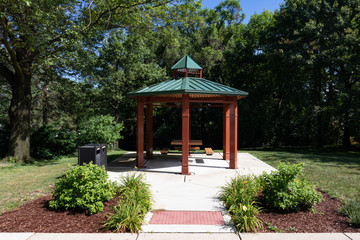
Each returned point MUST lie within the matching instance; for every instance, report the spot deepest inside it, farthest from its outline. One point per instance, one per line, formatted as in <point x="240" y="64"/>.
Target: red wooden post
<point x="233" y="135"/>
<point x="140" y="133"/>
<point x="189" y="125"/>
<point x="185" y="134"/>
<point x="226" y="131"/>
<point x="200" y="73"/>
<point x="186" y="72"/>
<point x="149" y="131"/>
<point x="236" y="130"/>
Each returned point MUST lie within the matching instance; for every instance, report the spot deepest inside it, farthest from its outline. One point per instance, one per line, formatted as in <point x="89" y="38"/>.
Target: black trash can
<point x="95" y="153"/>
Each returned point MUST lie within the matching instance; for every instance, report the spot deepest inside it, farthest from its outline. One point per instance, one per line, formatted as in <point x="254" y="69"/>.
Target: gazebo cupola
<point x="186" y="67"/>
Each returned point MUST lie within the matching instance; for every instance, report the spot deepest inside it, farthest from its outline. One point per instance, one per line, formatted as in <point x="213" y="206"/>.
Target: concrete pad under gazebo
<point x="187" y="88"/>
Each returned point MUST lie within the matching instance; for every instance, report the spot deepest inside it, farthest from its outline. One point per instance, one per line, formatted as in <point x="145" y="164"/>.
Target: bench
<point x="193" y="144"/>
<point x="164" y="151"/>
<point x="209" y="151"/>
<point x="190" y="148"/>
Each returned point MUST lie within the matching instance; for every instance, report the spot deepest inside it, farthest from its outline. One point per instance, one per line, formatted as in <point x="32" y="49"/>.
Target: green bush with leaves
<point x="135" y="201"/>
<point x="285" y="189"/>
<point x="50" y="142"/>
<point x="239" y="196"/>
<point x="100" y="129"/>
<point x="83" y="188"/>
<point x="351" y="209"/>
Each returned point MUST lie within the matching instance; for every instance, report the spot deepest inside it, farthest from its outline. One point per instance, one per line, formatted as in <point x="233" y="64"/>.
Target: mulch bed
<point x="35" y="216"/>
<point x="324" y="218"/>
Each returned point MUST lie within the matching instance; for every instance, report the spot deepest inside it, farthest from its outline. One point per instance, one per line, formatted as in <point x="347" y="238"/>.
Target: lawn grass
<point x="21" y="182"/>
<point x="332" y="171"/>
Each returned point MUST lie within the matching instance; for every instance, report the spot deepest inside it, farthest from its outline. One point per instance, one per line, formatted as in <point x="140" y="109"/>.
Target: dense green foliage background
<point x="300" y="66"/>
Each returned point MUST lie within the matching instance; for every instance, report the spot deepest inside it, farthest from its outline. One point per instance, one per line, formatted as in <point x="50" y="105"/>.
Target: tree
<point x="100" y="129"/>
<point x="42" y="31"/>
<point x="124" y="63"/>
<point x="323" y="36"/>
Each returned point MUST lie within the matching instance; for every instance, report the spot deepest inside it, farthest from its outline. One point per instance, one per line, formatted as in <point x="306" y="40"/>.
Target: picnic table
<point x="191" y="142"/>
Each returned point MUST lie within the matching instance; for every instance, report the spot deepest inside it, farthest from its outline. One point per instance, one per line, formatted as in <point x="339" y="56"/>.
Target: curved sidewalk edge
<point x="178" y="236"/>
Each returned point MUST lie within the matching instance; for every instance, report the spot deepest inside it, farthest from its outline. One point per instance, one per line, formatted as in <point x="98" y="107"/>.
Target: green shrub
<point x="351" y="209"/>
<point x="100" y="129"/>
<point x="239" y="197"/>
<point x="83" y="188"/>
<point x="49" y="142"/>
<point x="133" y="205"/>
<point x="285" y="190"/>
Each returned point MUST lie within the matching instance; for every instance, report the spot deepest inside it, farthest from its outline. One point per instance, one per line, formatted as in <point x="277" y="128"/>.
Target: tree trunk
<point x="19" y="113"/>
<point x="45" y="104"/>
<point x="320" y="133"/>
<point x="346" y="140"/>
<point x="117" y="120"/>
<point x="319" y="117"/>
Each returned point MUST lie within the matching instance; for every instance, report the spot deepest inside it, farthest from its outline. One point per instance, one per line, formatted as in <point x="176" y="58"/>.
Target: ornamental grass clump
<point x="135" y="201"/>
<point x="83" y="188"/>
<point x="239" y="196"/>
<point x="244" y="217"/>
<point x="351" y="209"/>
<point x="285" y="190"/>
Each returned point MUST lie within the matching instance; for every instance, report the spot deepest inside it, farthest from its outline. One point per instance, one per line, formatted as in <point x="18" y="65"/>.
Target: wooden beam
<point x="149" y="131"/>
<point x="185" y="134"/>
<point x="163" y="100"/>
<point x="140" y="134"/>
<point x="211" y="100"/>
<point x="193" y="106"/>
<point x="233" y="135"/>
<point x="226" y="131"/>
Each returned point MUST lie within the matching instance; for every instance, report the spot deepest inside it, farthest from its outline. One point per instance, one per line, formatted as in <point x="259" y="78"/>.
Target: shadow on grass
<point x="70" y="158"/>
<point x="47" y="162"/>
<point x="112" y="157"/>
<point x="349" y="156"/>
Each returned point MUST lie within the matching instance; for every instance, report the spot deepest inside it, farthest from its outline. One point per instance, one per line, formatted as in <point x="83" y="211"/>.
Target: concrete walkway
<point x="180" y="236"/>
<point x="196" y="192"/>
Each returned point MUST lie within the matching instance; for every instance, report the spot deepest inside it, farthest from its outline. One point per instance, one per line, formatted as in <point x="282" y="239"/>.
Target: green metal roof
<point x="188" y="85"/>
<point x="186" y="62"/>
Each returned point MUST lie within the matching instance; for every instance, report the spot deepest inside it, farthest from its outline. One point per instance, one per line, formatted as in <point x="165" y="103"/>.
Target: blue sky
<point x="249" y="7"/>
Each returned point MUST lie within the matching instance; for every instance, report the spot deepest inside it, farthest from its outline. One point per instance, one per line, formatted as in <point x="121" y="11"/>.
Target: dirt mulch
<point x="35" y="216"/>
<point x="324" y="218"/>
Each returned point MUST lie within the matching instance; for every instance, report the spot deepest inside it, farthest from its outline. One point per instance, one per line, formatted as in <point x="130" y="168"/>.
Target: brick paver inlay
<point x="188" y="217"/>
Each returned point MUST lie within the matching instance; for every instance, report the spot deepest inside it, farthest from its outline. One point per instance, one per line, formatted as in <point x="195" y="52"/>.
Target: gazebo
<point x="186" y="87"/>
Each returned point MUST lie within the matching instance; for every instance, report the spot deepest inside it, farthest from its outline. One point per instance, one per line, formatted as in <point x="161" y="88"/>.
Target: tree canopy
<point x="68" y="61"/>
